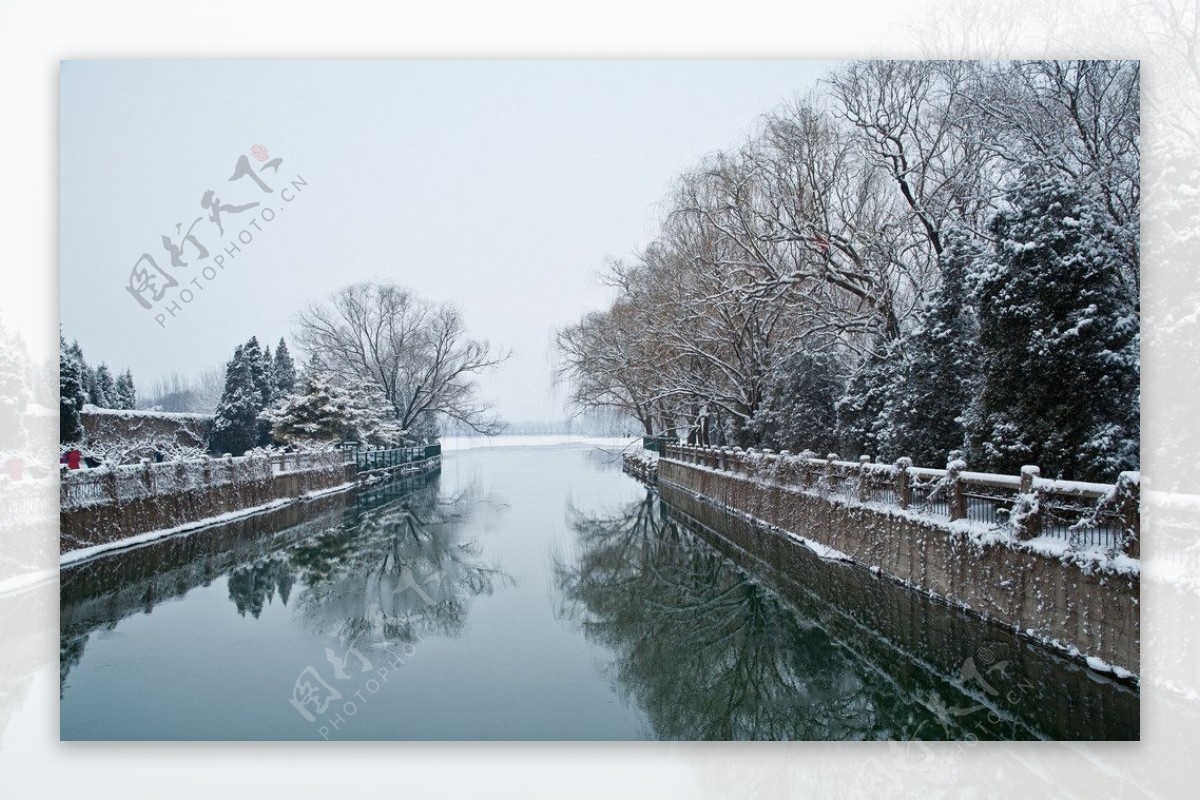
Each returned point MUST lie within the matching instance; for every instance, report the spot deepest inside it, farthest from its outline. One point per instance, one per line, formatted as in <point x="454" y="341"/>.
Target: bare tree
<point x="843" y="238"/>
<point x="417" y="352"/>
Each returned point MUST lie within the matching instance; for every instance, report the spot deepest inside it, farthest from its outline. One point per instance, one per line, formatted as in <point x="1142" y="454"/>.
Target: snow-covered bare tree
<point x="842" y="244"/>
<point x="417" y="352"/>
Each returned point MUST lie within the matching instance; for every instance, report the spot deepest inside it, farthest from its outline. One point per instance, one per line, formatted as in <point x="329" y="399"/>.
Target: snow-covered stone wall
<point x="1081" y="604"/>
<point x="110" y="504"/>
<point x="152" y="428"/>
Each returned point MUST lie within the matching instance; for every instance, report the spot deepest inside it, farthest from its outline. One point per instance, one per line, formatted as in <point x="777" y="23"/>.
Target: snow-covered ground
<point x="538" y="441"/>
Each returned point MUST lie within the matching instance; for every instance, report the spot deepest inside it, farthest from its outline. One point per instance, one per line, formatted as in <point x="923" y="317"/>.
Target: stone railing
<point x="1083" y="513"/>
<point x="107" y="504"/>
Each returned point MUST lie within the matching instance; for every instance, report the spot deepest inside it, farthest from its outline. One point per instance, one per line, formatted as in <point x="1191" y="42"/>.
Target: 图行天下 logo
<point x="205" y="248"/>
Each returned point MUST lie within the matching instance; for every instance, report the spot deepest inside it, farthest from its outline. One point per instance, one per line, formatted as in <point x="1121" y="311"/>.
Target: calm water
<point x="534" y="593"/>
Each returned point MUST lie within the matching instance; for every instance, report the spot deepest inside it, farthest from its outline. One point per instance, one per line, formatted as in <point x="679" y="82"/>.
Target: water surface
<point x="534" y="593"/>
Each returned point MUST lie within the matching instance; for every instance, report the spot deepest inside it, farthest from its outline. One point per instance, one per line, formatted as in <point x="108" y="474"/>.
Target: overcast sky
<point x="502" y="187"/>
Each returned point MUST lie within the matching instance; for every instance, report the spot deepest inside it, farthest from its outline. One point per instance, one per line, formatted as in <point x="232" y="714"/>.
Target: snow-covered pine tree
<point x="88" y="374"/>
<point x="260" y="365"/>
<point x="1059" y="339"/>
<point x="311" y="413"/>
<point x="268" y="366"/>
<point x="865" y="409"/>
<point x="283" y="371"/>
<point x="260" y="368"/>
<point x="318" y="410"/>
<point x="798" y="409"/>
<point x="125" y="394"/>
<point x="235" y="427"/>
<point x="71" y="393"/>
<point x="104" y="389"/>
<point x="939" y="375"/>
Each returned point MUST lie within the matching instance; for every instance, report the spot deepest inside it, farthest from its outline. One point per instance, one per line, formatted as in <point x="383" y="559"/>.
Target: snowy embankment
<point x="538" y="441"/>
<point x="1080" y="600"/>
<point x="82" y="554"/>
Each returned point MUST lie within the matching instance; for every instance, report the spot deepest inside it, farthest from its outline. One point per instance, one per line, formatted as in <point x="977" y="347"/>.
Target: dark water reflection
<point x="715" y="644"/>
<point x="534" y="593"/>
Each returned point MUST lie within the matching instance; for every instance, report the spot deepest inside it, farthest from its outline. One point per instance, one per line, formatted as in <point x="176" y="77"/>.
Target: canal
<point x="535" y="593"/>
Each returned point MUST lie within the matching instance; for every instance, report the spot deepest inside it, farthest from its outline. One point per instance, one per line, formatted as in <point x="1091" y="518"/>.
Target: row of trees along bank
<point x="917" y="257"/>
<point x="381" y="367"/>
<point x="80" y="384"/>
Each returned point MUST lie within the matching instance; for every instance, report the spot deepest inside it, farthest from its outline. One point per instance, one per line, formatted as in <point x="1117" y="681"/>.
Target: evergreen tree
<point x="104" y="390"/>
<point x="88" y="374"/>
<point x="260" y="365"/>
<point x="318" y="410"/>
<point x="126" y="394"/>
<point x="864" y="412"/>
<point x="311" y="413"/>
<point x="71" y="394"/>
<point x="1059" y="341"/>
<point x="798" y="410"/>
<point x="268" y="369"/>
<point x="370" y="416"/>
<point x="939" y="376"/>
<point x="283" y="371"/>
<point x="260" y="369"/>
<point x="236" y="426"/>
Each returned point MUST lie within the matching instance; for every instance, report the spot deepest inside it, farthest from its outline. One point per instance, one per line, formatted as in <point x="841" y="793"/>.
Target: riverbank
<point x="114" y="508"/>
<point x="1080" y="604"/>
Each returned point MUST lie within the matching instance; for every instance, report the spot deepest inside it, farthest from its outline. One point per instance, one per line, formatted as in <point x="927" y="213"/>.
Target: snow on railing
<point x="124" y="483"/>
<point x="1083" y="513"/>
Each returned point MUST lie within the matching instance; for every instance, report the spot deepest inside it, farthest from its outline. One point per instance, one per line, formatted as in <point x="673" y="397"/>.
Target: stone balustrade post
<point x="1129" y="508"/>
<point x="1029" y="472"/>
<point x="864" y="478"/>
<point x="903" y="482"/>
<point x="831" y="470"/>
<point x="1028" y="515"/>
<point x="785" y="467"/>
<point x="955" y="498"/>
<point x="147" y="476"/>
<point x="110" y="484"/>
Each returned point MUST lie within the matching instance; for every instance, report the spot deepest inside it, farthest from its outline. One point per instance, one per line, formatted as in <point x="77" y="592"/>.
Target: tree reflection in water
<point x="251" y="587"/>
<point x="707" y="652"/>
<point x="399" y="572"/>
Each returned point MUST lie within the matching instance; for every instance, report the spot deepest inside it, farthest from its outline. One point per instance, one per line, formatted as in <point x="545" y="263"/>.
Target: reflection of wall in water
<point x="103" y="591"/>
<point x="711" y="653"/>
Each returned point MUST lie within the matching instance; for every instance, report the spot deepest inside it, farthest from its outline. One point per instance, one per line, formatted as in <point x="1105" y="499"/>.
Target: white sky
<point x="499" y="186"/>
